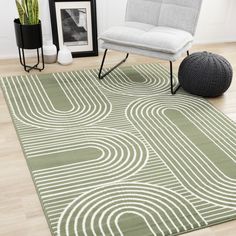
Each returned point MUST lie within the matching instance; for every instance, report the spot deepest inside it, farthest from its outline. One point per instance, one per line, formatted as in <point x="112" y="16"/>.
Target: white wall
<point x="216" y="24"/>
<point x="7" y="37"/>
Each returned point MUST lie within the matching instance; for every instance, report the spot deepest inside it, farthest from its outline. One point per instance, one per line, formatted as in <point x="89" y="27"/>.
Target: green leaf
<point x="36" y="11"/>
<point x="24" y="5"/>
<point x="21" y="12"/>
<point x="28" y="11"/>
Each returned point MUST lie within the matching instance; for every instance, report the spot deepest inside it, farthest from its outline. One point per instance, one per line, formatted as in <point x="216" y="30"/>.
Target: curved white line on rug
<point x="30" y="105"/>
<point x="122" y="155"/>
<point x="97" y="212"/>
<point x="149" y="80"/>
<point x="191" y="166"/>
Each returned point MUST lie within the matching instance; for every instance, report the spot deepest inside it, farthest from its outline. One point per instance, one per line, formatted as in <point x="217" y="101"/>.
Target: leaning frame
<point x="54" y="24"/>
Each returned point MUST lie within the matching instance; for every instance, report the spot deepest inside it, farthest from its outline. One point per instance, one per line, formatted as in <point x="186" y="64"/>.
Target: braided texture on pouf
<point x="205" y="74"/>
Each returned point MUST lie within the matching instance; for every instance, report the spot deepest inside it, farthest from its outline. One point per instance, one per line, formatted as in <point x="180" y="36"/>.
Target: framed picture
<point x="74" y="24"/>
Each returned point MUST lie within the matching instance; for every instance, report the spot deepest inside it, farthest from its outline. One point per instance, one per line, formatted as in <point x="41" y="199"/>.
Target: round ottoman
<point x="205" y="74"/>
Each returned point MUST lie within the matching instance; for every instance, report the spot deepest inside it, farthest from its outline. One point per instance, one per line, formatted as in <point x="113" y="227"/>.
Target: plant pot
<point x="28" y="36"/>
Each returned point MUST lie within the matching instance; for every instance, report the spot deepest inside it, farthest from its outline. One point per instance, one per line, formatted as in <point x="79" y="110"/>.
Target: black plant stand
<point x="27" y="67"/>
<point x="29" y="37"/>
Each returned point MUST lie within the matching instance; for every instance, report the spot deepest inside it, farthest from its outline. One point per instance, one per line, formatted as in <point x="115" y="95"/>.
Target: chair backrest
<point x="180" y="14"/>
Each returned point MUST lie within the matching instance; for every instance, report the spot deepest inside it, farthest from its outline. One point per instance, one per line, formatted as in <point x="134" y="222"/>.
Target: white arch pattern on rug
<point x="122" y="155"/>
<point x="206" y="180"/>
<point x="88" y="104"/>
<point x="152" y="84"/>
<point x="103" y="204"/>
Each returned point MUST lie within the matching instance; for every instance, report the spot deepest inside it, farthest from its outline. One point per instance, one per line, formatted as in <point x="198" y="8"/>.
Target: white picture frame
<point x="74" y="26"/>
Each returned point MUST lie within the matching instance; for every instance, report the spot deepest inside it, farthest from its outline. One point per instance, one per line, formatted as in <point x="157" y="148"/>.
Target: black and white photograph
<point x="74" y="25"/>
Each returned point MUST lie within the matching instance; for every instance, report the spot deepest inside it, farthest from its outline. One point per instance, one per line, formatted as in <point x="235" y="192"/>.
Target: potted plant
<point x="28" y="29"/>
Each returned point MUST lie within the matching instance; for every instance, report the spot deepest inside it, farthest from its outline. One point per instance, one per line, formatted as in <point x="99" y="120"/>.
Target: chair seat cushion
<point x="145" y="36"/>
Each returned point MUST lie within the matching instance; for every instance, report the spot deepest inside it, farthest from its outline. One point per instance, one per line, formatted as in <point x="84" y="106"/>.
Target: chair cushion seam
<point x="143" y="46"/>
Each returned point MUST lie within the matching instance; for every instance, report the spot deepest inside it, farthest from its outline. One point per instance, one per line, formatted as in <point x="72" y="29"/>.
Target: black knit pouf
<point x="205" y="74"/>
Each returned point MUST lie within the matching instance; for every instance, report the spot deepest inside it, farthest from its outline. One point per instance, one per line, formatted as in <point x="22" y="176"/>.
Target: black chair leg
<point x="100" y="76"/>
<point x="172" y="89"/>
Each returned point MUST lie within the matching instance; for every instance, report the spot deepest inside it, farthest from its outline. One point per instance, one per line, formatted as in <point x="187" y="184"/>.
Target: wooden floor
<point x="20" y="210"/>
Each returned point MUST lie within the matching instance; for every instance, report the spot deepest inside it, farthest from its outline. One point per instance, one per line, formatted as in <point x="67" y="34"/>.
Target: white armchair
<point x="156" y="28"/>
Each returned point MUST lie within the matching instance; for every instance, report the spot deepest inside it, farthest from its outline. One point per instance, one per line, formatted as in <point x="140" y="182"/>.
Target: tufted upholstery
<point x="157" y="28"/>
<point x="179" y="14"/>
<point x="149" y="37"/>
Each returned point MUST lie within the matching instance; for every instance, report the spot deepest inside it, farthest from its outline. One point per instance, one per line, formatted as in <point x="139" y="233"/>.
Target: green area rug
<point x="122" y="156"/>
